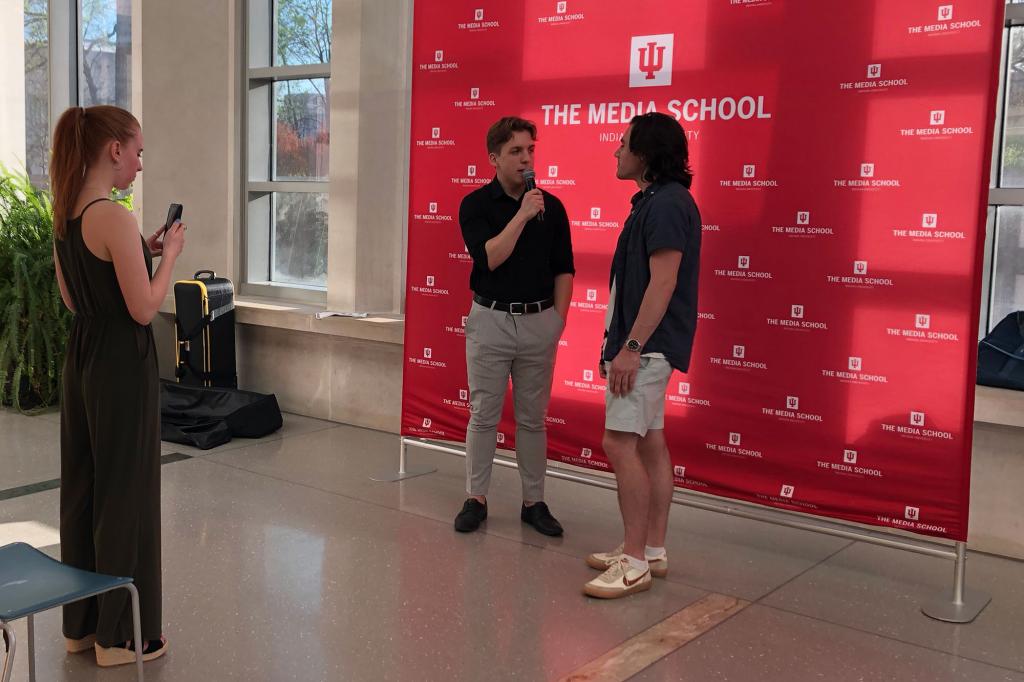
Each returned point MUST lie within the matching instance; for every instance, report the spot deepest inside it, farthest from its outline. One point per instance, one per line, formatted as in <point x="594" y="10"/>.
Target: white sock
<point x="637" y="564"/>
<point x="653" y="552"/>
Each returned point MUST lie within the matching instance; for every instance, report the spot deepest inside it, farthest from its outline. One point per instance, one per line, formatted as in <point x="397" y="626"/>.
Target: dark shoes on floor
<point x="472" y="515"/>
<point x="539" y="516"/>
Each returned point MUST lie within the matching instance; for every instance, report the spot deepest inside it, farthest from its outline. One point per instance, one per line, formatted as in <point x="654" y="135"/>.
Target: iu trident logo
<point x="650" y="60"/>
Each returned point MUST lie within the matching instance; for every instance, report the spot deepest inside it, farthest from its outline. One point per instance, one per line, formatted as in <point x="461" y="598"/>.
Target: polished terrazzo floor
<point x="284" y="561"/>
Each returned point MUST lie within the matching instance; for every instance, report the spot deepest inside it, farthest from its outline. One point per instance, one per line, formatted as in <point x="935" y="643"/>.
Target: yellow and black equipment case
<point x="204" y="322"/>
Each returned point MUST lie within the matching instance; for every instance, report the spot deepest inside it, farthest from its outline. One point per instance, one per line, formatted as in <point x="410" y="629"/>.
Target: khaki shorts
<point x="643" y="408"/>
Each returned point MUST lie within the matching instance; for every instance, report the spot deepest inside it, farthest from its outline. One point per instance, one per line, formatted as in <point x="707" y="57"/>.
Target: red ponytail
<point x="78" y="140"/>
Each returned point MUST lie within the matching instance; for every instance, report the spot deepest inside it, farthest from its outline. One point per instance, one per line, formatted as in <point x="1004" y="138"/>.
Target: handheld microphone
<point x="530" y="178"/>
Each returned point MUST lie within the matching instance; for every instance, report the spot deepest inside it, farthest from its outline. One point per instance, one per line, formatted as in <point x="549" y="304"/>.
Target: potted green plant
<point x="34" y="324"/>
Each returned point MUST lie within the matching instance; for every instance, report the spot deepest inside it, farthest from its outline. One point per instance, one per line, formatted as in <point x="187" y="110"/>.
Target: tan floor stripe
<point x="659" y="641"/>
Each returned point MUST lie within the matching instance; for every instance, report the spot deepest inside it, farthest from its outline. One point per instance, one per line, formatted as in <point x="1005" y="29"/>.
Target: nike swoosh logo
<point x="629" y="583"/>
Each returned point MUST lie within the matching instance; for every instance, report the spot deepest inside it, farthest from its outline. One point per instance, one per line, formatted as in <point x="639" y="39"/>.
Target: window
<point x="95" y="68"/>
<point x="287" y="133"/>
<point x="1004" y="276"/>
<point x="36" y="154"/>
<point x="105" y="74"/>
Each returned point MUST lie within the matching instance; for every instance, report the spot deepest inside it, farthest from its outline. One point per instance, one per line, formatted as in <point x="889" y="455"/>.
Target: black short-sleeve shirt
<point x="664" y="216"/>
<point x="543" y="252"/>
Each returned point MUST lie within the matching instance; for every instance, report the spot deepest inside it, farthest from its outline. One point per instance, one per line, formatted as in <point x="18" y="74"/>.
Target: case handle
<point x="211" y="273"/>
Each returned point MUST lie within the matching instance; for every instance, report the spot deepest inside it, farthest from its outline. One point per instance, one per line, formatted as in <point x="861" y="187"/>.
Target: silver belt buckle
<point x="512" y="307"/>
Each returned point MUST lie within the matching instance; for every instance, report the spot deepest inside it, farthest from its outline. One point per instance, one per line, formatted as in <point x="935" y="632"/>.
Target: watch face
<point x="633" y="345"/>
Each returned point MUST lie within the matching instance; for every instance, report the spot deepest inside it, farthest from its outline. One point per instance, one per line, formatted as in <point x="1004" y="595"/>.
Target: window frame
<point x="999" y="197"/>
<point x="253" y="191"/>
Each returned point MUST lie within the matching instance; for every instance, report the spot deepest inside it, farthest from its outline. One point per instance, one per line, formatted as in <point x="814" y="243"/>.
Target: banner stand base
<point x="946" y="610"/>
<point x="404" y="472"/>
<point x="965" y="605"/>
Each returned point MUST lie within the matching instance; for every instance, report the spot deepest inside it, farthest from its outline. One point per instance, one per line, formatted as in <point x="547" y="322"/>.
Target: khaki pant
<point x="500" y="345"/>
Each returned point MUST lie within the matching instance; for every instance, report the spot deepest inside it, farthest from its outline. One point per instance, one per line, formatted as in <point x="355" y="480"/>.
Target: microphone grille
<point x="528" y="174"/>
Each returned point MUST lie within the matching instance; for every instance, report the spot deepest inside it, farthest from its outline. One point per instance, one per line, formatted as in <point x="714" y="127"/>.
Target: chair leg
<point x="31" y="649"/>
<point x="11" y="647"/>
<point x="140" y="646"/>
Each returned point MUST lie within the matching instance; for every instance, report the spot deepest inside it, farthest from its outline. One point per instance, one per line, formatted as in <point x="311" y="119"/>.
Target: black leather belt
<point x="515" y="308"/>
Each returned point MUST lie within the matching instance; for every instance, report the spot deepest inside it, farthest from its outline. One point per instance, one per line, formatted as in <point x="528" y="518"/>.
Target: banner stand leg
<point x="404" y="471"/>
<point x="966" y="604"/>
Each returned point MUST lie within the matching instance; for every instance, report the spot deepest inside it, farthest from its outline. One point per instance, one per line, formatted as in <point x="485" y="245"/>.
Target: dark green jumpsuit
<point x="110" y="447"/>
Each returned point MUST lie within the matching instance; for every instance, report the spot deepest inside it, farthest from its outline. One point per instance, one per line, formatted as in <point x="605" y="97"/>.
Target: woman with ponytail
<point x="110" y="421"/>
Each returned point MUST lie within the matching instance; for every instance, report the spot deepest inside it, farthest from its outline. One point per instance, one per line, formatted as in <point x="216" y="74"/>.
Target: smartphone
<point x="173" y="214"/>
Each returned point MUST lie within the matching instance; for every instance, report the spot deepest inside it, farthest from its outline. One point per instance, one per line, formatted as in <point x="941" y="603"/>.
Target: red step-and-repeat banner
<point x="841" y="153"/>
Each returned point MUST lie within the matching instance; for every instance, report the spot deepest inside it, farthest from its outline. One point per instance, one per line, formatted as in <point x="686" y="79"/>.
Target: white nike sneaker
<point x="602" y="560"/>
<point x="620" y="580"/>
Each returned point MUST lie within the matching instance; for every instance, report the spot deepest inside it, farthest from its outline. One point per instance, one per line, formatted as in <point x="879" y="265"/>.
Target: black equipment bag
<point x="207" y="417"/>
<point x="204" y="321"/>
<point x="1001" y="354"/>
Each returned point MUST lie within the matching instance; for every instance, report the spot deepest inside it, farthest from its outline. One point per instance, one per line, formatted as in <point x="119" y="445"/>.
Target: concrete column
<point x="12" y="83"/>
<point x="189" y="80"/>
<point x="370" y="86"/>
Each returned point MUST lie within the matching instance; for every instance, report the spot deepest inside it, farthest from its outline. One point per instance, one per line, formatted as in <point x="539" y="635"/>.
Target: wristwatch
<point x="633" y="345"/>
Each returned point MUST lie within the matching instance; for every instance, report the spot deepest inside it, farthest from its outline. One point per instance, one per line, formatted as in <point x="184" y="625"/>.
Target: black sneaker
<point x="539" y="516"/>
<point x="472" y="515"/>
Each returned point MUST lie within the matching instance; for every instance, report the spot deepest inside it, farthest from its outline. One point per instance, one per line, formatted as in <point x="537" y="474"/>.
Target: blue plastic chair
<point x="31" y="582"/>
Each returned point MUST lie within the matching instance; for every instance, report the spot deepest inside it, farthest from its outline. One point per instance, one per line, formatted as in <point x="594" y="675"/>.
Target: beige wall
<point x="189" y="121"/>
<point x="191" y="81"/>
<point x="12" y="83"/>
<point x="370" y="86"/>
<point x="348" y="380"/>
<point x="191" y="91"/>
<point x="997" y="490"/>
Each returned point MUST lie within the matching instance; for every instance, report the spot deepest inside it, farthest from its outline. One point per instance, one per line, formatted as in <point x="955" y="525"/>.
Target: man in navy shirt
<point x="522" y="284"/>
<point x="652" y="317"/>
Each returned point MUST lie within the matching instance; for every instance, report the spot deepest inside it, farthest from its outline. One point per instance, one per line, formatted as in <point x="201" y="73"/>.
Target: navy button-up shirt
<point x="664" y="216"/>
